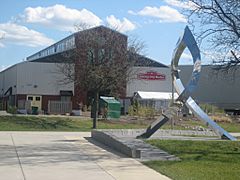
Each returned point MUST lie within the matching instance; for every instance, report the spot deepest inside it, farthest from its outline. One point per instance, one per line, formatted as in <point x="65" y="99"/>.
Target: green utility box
<point x="109" y="107"/>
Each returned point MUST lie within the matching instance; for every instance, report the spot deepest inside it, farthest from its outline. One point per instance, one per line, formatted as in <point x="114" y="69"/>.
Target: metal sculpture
<point x="187" y="40"/>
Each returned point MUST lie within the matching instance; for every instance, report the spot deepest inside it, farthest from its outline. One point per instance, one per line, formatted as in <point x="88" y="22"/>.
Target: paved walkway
<point x="64" y="156"/>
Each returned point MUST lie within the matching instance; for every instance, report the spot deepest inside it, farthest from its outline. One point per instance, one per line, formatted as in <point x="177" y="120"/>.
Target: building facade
<point x="38" y="80"/>
<point x="217" y="88"/>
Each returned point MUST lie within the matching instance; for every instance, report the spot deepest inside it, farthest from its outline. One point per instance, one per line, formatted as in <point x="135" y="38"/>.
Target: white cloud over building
<point x="165" y="14"/>
<point x="60" y="17"/>
<point x="123" y="26"/>
<point x="181" y="4"/>
<point x="21" y="35"/>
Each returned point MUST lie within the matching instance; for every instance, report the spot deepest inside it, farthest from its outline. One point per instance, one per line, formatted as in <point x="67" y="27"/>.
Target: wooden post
<point x="95" y="104"/>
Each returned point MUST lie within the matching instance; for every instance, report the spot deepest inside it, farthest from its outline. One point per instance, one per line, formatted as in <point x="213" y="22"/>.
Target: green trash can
<point x="34" y="110"/>
<point x="110" y="106"/>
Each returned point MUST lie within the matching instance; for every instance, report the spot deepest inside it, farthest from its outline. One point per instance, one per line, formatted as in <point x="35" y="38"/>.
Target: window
<point x="91" y="56"/>
<point x="110" y="54"/>
<point x="38" y="98"/>
<point x="52" y="50"/>
<point x="60" y="47"/>
<point x="30" y="98"/>
<point x="101" y="55"/>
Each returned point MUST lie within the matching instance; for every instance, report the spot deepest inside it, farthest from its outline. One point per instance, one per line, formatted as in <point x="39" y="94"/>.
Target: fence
<point x="59" y="107"/>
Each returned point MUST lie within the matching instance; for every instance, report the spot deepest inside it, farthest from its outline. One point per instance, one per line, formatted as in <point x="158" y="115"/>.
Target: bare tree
<point x="100" y="63"/>
<point x="217" y="23"/>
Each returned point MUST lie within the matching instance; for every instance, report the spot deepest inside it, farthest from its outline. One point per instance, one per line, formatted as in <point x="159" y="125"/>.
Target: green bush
<point x="208" y="108"/>
<point x="141" y="111"/>
<point x="134" y="108"/>
<point x="12" y="109"/>
<point x="132" y="111"/>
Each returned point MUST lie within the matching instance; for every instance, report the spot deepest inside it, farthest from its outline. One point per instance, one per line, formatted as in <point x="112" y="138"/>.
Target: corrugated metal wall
<point x="221" y="89"/>
<point x="40" y="78"/>
<point x="33" y="78"/>
<point x="8" y="80"/>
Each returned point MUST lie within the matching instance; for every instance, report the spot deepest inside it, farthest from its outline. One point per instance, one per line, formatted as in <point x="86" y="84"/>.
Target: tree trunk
<point x="95" y="110"/>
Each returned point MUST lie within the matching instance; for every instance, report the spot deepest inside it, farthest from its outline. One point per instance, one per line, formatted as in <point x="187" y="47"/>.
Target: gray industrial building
<point x="216" y="87"/>
<point x="35" y="83"/>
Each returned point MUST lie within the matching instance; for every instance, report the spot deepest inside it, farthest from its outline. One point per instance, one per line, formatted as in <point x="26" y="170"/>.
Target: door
<point x="36" y="101"/>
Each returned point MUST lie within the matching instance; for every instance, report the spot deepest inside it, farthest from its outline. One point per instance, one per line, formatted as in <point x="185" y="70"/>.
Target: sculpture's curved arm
<point x="187" y="40"/>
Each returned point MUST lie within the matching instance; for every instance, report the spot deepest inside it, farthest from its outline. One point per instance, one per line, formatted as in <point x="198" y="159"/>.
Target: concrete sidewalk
<point x="65" y="156"/>
<point x="236" y="135"/>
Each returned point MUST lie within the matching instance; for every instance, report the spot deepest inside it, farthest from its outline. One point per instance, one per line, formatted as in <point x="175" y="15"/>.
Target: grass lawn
<point x="199" y="159"/>
<point x="38" y="123"/>
<point x="230" y="127"/>
<point x="47" y="123"/>
<point x="187" y="125"/>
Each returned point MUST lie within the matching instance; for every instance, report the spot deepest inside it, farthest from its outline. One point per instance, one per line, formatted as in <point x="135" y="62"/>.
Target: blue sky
<point x="28" y="26"/>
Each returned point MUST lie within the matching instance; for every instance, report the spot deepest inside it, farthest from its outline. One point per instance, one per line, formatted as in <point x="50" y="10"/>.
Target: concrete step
<point x="135" y="148"/>
<point x="159" y="158"/>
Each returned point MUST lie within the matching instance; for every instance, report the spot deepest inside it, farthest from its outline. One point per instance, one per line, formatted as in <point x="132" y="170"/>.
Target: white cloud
<point x="186" y="56"/>
<point x="1" y="37"/>
<point x="122" y="26"/>
<point x="60" y="17"/>
<point x="163" y="13"/>
<point x="132" y="12"/>
<point x="21" y="35"/>
<point x="181" y="4"/>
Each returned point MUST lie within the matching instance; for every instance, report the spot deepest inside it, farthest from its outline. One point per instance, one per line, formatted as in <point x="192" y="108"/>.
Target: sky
<point x="28" y="26"/>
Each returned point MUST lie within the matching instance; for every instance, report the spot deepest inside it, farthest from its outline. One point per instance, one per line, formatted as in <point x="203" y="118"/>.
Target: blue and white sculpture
<point x="187" y="40"/>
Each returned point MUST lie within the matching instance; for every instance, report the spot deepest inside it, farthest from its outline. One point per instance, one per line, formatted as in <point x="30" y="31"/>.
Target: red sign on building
<point x="152" y="75"/>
